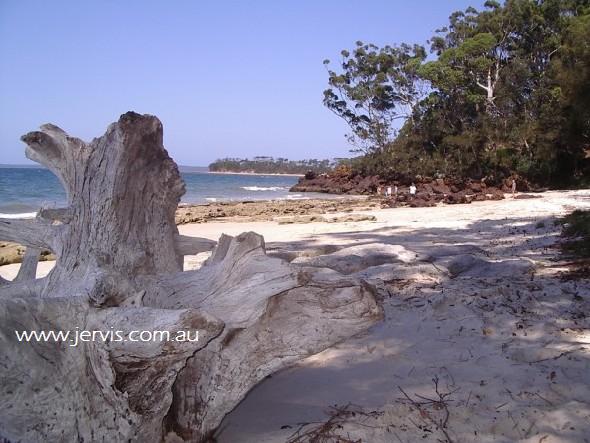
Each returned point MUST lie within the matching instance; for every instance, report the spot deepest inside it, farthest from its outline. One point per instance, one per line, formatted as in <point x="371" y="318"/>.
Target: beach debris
<point x="432" y="411"/>
<point x="330" y="430"/>
<point x="119" y="274"/>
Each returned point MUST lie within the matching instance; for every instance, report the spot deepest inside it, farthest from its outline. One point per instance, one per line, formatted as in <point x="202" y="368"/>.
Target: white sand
<point x="505" y="334"/>
<point x="513" y="348"/>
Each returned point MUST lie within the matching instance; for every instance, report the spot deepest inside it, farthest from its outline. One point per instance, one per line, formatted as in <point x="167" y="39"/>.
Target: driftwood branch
<point x="186" y="245"/>
<point x="28" y="267"/>
<point x="119" y="269"/>
<point x="37" y="233"/>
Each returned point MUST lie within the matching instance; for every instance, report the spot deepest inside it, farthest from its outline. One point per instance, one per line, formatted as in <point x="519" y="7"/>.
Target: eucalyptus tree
<point x="504" y="90"/>
<point x="375" y="88"/>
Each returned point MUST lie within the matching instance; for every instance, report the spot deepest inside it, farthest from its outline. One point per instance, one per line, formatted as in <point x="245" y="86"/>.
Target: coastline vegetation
<point x="270" y="165"/>
<point x="504" y="91"/>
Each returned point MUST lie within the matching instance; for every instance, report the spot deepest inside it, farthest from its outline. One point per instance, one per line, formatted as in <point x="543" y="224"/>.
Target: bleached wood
<point x="119" y="267"/>
<point x="28" y="267"/>
<point x="94" y="391"/>
<point x="37" y="233"/>
<point x="186" y="245"/>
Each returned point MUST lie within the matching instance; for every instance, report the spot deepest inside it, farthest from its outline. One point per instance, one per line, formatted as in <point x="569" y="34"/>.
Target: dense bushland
<point x="505" y="90"/>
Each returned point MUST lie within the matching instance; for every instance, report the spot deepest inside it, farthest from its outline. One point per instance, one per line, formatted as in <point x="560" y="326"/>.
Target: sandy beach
<point x="484" y="337"/>
<point x="313" y="222"/>
<point x="504" y="339"/>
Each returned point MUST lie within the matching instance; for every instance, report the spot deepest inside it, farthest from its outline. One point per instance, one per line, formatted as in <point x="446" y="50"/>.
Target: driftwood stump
<point x="119" y="268"/>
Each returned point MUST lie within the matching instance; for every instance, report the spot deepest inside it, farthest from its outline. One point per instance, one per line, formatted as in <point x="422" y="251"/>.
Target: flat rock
<point x="356" y="258"/>
<point x="468" y="265"/>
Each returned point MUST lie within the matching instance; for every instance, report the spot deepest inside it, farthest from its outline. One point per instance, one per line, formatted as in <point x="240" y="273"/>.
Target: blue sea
<point x="23" y="190"/>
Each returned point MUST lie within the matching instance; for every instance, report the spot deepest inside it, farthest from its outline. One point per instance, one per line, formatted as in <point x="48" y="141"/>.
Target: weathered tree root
<point x="119" y="268"/>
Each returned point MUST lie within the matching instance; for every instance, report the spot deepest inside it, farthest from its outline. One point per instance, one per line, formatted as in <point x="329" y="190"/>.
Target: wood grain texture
<point x="119" y="267"/>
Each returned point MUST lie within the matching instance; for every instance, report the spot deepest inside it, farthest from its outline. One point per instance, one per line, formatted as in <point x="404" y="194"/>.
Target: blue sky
<point x="233" y="79"/>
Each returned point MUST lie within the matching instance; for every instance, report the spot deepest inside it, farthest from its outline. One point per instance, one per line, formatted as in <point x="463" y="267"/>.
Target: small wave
<point x="211" y="199"/>
<point x="261" y="188"/>
<point x="21" y="215"/>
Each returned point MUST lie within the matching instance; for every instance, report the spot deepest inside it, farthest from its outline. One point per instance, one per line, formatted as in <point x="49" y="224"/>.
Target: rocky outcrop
<point x="338" y="184"/>
<point x="14" y="253"/>
<point x="269" y="210"/>
<point x="321" y="219"/>
<point x="429" y="191"/>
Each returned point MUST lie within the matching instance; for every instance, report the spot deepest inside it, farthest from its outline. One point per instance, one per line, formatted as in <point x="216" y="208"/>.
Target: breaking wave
<point x="21" y="215"/>
<point x="262" y="188"/>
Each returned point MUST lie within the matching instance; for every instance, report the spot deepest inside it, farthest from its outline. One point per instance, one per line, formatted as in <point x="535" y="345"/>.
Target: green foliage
<point x="375" y="88"/>
<point x="507" y="90"/>
<point x="269" y="165"/>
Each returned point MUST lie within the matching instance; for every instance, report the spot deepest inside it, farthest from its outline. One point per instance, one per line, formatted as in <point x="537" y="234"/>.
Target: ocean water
<point x="24" y="190"/>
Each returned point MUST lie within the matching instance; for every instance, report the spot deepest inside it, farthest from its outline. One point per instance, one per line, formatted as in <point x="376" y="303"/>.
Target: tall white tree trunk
<point x="490" y="86"/>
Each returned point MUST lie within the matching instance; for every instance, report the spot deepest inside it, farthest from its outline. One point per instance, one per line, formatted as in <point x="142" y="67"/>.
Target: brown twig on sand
<point x="326" y="432"/>
<point x="563" y="354"/>
<point x="440" y="404"/>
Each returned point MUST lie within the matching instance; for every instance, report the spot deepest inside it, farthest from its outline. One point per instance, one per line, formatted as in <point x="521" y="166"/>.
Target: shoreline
<point x="477" y="298"/>
<point x="316" y="210"/>
<point x="323" y="216"/>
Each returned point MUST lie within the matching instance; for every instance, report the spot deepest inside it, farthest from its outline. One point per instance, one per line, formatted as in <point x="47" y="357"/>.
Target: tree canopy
<point x="505" y="90"/>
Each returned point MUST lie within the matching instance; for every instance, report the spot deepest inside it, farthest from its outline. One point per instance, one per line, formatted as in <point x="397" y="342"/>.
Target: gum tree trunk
<point x="119" y="269"/>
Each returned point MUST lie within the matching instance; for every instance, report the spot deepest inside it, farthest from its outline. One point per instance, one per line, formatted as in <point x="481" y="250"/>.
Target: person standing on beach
<point x="388" y="191"/>
<point x="513" y="187"/>
<point x="412" y="189"/>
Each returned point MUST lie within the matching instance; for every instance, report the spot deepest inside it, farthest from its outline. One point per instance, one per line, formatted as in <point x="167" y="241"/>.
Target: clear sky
<point x="234" y="79"/>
